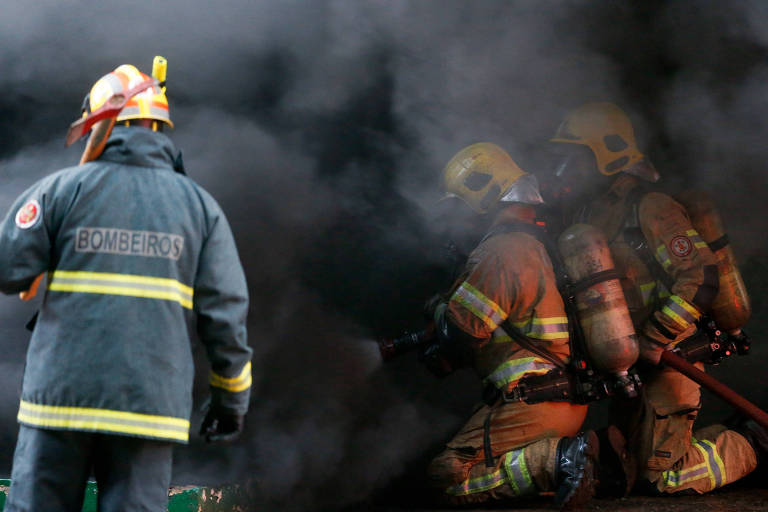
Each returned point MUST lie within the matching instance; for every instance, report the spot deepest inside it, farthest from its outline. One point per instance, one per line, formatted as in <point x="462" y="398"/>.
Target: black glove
<point x="431" y="305"/>
<point x="434" y="359"/>
<point x="221" y="426"/>
<point x="450" y="348"/>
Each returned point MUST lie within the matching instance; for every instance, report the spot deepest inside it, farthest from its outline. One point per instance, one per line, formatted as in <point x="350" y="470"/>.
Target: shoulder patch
<point x="681" y="246"/>
<point x="28" y="215"/>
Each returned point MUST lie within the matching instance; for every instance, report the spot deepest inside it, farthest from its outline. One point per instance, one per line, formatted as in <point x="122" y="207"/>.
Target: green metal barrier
<point x="180" y="499"/>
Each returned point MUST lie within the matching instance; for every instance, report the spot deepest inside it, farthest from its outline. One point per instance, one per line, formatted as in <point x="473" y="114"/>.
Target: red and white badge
<point x="28" y="214"/>
<point x="681" y="246"/>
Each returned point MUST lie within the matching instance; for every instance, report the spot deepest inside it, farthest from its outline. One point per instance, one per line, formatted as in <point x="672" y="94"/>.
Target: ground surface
<point x="736" y="499"/>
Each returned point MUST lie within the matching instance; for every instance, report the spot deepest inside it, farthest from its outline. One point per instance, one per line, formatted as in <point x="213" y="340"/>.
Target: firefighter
<point x="507" y="449"/>
<point x="138" y="258"/>
<point x="669" y="276"/>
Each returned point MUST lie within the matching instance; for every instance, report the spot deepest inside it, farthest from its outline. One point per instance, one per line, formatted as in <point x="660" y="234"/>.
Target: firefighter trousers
<point x="523" y="440"/>
<point x="51" y="469"/>
<point x="671" y="456"/>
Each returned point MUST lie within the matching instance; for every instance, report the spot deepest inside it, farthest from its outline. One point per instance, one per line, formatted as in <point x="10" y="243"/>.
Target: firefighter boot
<point x="756" y="435"/>
<point x="576" y="462"/>
<point x="617" y="470"/>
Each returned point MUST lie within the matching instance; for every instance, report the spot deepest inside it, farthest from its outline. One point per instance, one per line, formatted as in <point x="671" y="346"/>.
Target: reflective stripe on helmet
<point x="149" y="104"/>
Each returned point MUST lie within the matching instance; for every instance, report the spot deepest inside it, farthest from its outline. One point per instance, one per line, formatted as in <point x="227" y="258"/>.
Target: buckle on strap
<point x="553" y="386"/>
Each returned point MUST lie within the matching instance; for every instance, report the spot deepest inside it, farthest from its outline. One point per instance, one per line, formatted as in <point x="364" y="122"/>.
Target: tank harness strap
<point x="635" y="238"/>
<point x="515" y="227"/>
<point x="530" y="345"/>
<point x="32" y="322"/>
<point x="540" y="234"/>
<point x="515" y="333"/>
<point x="718" y="244"/>
<point x="490" y="461"/>
<point x="563" y="286"/>
<point x="599" y="277"/>
<point x="576" y="335"/>
<point x="708" y="289"/>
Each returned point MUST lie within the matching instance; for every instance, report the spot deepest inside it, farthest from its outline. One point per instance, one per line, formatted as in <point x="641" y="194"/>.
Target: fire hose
<point x="715" y="386"/>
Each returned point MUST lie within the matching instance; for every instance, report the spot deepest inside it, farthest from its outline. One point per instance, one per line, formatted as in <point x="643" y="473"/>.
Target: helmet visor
<point x="567" y="169"/>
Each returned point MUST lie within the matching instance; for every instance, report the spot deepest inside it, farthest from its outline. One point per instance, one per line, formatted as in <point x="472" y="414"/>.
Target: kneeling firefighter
<point x="505" y="318"/>
<point x="671" y="281"/>
<point x="138" y="258"/>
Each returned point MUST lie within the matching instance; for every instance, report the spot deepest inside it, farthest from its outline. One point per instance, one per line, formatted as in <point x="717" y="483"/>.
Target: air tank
<point x="609" y="335"/>
<point x="731" y="309"/>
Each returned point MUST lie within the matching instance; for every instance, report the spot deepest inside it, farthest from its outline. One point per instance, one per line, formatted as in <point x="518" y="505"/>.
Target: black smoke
<point x="321" y="127"/>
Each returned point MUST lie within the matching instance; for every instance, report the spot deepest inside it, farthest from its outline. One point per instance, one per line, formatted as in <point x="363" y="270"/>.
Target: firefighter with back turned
<point x="138" y="258"/>
<point x="509" y="448"/>
<point x="669" y="273"/>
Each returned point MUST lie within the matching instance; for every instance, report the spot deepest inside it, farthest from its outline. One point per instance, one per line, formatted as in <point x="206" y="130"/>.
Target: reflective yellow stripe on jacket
<point x="681" y="311"/>
<point x="514" y="369"/>
<point x="103" y="420"/>
<point x="121" y="284"/>
<point x="646" y="291"/>
<point x="662" y="256"/>
<point x="551" y="328"/>
<point x="696" y="239"/>
<point x="235" y="384"/>
<point x="480" y="305"/>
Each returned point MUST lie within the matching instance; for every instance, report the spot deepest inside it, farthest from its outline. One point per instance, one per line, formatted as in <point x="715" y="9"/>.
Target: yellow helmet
<point x="483" y="175"/>
<point x="149" y="104"/>
<point x="608" y="132"/>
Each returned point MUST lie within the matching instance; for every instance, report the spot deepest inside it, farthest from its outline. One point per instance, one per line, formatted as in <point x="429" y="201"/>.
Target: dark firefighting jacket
<point x="510" y="276"/>
<point x="669" y="274"/>
<point x="139" y="258"/>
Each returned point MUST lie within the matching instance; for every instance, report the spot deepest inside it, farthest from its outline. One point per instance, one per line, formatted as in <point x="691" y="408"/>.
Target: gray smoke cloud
<point x="321" y="128"/>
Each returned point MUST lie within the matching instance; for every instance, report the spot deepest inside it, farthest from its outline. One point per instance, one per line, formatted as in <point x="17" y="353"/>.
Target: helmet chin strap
<point x="97" y="140"/>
